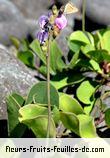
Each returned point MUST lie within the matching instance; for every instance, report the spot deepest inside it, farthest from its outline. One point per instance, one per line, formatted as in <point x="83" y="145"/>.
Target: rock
<point x="62" y="40"/>
<point x="32" y="9"/>
<point x="14" y="77"/>
<point x="8" y="12"/>
<point x="12" y="22"/>
<point x="98" y="11"/>
<point x="13" y="28"/>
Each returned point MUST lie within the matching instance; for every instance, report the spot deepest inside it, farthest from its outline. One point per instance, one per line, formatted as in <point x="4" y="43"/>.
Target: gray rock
<point x="8" y="11"/>
<point x="12" y="22"/>
<point x="32" y="8"/>
<point x="13" y="28"/>
<point x="14" y="77"/>
<point x="62" y="40"/>
<point x="99" y="11"/>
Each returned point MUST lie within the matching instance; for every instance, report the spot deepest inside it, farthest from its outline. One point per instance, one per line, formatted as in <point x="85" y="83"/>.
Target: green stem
<point x="83" y="15"/>
<point x="48" y="88"/>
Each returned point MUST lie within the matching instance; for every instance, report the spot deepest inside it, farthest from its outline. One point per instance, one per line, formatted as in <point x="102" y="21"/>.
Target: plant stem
<point x="48" y="88"/>
<point x="83" y="15"/>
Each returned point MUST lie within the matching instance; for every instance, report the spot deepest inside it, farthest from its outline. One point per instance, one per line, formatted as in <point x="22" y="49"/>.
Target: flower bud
<point x="56" y="31"/>
<point x="55" y="10"/>
<point x="61" y="22"/>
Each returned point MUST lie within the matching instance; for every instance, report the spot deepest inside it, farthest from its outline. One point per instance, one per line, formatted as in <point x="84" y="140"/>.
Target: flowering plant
<point x="72" y="100"/>
<point x="51" y="24"/>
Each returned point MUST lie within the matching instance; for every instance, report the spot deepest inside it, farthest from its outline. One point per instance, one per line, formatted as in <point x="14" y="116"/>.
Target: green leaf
<point x="18" y="131"/>
<point x="107" y="117"/>
<point x="78" y="39"/>
<point x="85" y="92"/>
<point x="82" y="125"/>
<point x="87" y="48"/>
<point x="35" y="117"/>
<point x="95" y="66"/>
<point x="39" y="126"/>
<point x="75" y="46"/>
<point x="27" y="58"/>
<point x="38" y="94"/>
<point x="56" y="115"/>
<point x="99" y="55"/>
<point x="31" y="111"/>
<point x="24" y="45"/>
<point x="88" y="108"/>
<point x="56" y="62"/>
<point x="105" y="41"/>
<point x="15" y="41"/>
<point x="14" y="102"/>
<point x="35" y="46"/>
<point x="82" y="37"/>
<point x="70" y="121"/>
<point x="86" y="126"/>
<point x="69" y="104"/>
<point x="65" y="79"/>
<point x="73" y="60"/>
<point x="43" y="70"/>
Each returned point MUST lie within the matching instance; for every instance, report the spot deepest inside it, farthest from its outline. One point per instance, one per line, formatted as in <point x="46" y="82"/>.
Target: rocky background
<point x="19" y="18"/>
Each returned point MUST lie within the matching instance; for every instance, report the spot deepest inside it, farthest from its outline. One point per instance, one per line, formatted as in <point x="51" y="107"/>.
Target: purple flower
<point x="61" y="22"/>
<point x="43" y="20"/>
<point x="42" y="36"/>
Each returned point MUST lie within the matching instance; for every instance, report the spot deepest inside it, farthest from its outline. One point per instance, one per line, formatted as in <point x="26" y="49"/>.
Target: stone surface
<point x="99" y="11"/>
<point x="12" y="22"/>
<point x="14" y="77"/>
<point x="32" y="8"/>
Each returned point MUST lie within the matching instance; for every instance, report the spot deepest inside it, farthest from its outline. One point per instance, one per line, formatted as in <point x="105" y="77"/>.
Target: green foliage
<point x="38" y="94"/>
<point x="86" y="126"/>
<point x="69" y="104"/>
<point x="78" y="78"/>
<point x="85" y="92"/>
<point x="70" y="121"/>
<point x="35" y="46"/>
<point x="31" y="111"/>
<point x="66" y="79"/>
<point x="35" y="117"/>
<point x="27" y="58"/>
<point x="82" y="125"/>
<point x="14" y="103"/>
<point x="56" y="62"/>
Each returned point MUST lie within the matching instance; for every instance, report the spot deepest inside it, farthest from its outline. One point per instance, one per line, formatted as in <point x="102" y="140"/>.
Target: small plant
<point x="70" y="100"/>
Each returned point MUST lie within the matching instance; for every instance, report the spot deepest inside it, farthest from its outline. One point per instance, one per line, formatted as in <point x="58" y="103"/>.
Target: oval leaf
<point x="14" y="103"/>
<point x="65" y="79"/>
<point x="39" y="126"/>
<point x="85" y="92"/>
<point x="82" y="125"/>
<point x="31" y="111"/>
<point x="38" y="94"/>
<point x="69" y="104"/>
<point x="70" y="121"/>
<point x="82" y="37"/>
<point x="86" y="126"/>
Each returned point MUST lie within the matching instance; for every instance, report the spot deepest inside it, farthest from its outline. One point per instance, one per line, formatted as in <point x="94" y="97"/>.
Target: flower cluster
<point x="53" y="23"/>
